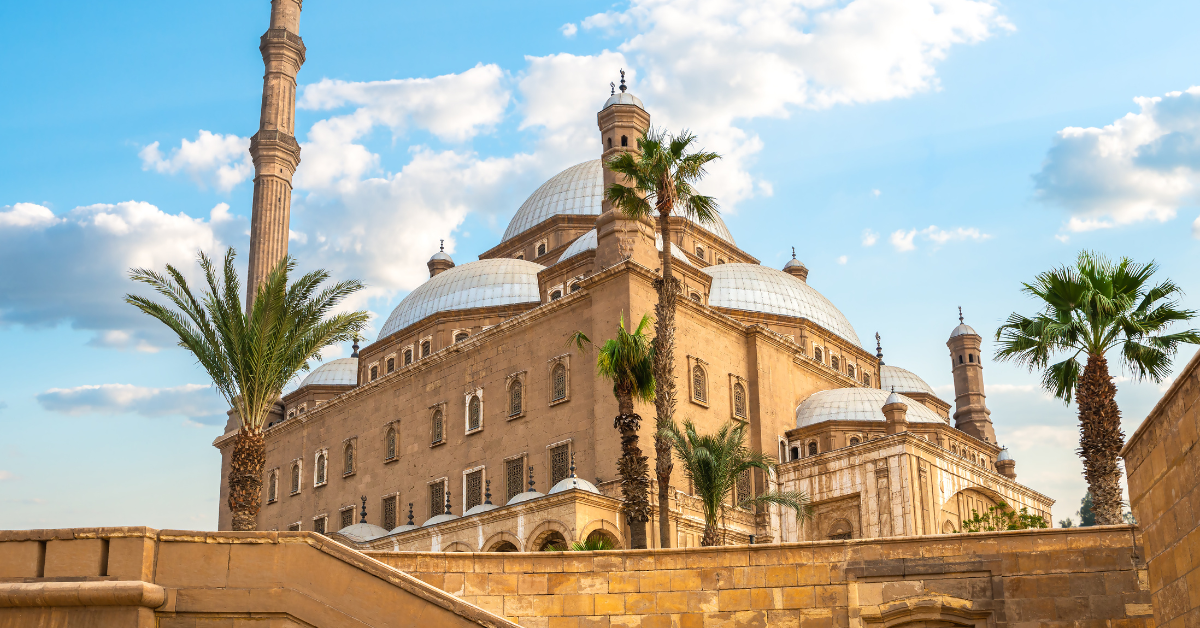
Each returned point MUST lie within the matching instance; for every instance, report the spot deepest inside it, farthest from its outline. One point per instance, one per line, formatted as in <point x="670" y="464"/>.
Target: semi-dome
<point x="361" y="532"/>
<point x="587" y="242"/>
<point x="962" y="330"/>
<point x="756" y="288"/>
<point x="857" y="404"/>
<point x="567" y="484"/>
<point x="485" y="283"/>
<point x="341" y="372"/>
<point x="578" y="191"/>
<point x="902" y="380"/>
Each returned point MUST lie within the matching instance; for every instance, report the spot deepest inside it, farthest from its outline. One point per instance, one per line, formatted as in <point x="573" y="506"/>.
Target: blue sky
<point x="919" y="154"/>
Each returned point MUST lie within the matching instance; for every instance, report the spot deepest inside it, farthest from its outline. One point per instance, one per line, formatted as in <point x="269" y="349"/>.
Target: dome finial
<point x="354" y="346"/>
<point x="442" y="245"/>
<point x="612" y="89"/>
<point x="623" y="88"/>
<point x="487" y="492"/>
<point x="448" y="503"/>
<point x="363" y="514"/>
<point x="878" y="348"/>
<point x="410" y="515"/>
<point x="793" y="252"/>
<point x="530" y="478"/>
<point x="960" y="316"/>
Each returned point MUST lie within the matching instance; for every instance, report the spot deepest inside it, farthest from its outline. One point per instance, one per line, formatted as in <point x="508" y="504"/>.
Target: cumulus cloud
<point x="569" y="29"/>
<point x="869" y="238"/>
<point x="197" y="402"/>
<point x="222" y="161"/>
<point x="85" y="256"/>
<point x="1143" y="166"/>
<point x="26" y="215"/>
<point x="903" y="240"/>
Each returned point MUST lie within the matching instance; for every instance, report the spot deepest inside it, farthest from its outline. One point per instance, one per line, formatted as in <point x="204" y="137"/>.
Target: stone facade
<point x="1162" y="461"/>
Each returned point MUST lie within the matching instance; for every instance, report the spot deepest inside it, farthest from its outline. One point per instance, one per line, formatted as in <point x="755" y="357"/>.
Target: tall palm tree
<point x="1087" y="310"/>
<point x="715" y="462"/>
<point x="250" y="355"/>
<point x="628" y="362"/>
<point x="658" y="183"/>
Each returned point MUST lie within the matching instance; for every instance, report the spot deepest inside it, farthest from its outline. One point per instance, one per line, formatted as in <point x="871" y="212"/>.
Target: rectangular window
<point x="437" y="498"/>
<point x="407" y="357"/>
<point x="560" y="463"/>
<point x="391" y="364"/>
<point x="389" y="512"/>
<point x="474" y="489"/>
<point x="514" y="474"/>
<point x="294" y="527"/>
<point x="319" y="524"/>
<point x="743" y="487"/>
<point x="347" y="518"/>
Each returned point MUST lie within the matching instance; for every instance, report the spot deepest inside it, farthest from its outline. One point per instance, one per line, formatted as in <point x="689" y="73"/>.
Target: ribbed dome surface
<point x="962" y="330"/>
<point x="485" y="283"/>
<point x="569" y="483"/>
<point x="857" y="404"/>
<point x="342" y="372"/>
<point x="903" y="380"/>
<point x="588" y="242"/>
<point x="578" y="191"/>
<point x="623" y="98"/>
<point x="757" y="288"/>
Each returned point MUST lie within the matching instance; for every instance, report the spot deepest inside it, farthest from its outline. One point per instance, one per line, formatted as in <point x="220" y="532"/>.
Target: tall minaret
<point x="274" y="149"/>
<point x="971" y="414"/>
<point x="622" y="121"/>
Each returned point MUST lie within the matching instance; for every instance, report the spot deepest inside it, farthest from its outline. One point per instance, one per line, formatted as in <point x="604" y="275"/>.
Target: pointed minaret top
<point x="354" y="354"/>
<point x="623" y="88"/>
<point x="363" y="514"/>
<point x="960" y="316"/>
<point x="878" y="348"/>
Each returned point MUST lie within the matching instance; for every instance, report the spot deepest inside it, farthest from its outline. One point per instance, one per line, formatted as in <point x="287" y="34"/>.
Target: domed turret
<point x="1005" y="464"/>
<point x="896" y="413"/>
<point x="796" y="268"/>
<point x="966" y="363"/>
<point x="440" y="262"/>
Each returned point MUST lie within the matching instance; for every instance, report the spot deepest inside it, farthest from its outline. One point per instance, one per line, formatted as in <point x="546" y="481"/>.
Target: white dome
<point x="342" y="372"/>
<point x="903" y="380"/>
<point x="577" y="191"/>
<point x="1004" y="455"/>
<point x="524" y="497"/>
<point x="623" y="98"/>
<point x="587" y="242"/>
<point x="404" y="528"/>
<point x="361" y="532"/>
<point x="962" y="330"/>
<point x="474" y="510"/>
<point x="757" y="288"/>
<point x="567" y="484"/>
<point x="857" y="404"/>
<point x="432" y="521"/>
<point x="485" y="283"/>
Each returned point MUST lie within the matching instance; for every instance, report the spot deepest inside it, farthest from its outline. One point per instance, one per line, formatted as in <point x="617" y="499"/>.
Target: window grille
<point x="389" y="512"/>
<point x="474" y="489"/>
<point x="575" y="287"/>
<point x="437" y="498"/>
<point x="514" y="398"/>
<point x="374" y="373"/>
<point x="407" y="357"/>
<point x="867" y="378"/>
<point x="321" y="469"/>
<point x="700" y="252"/>
<point x="474" y="421"/>
<point x="850" y="370"/>
<point x="854" y="440"/>
<point x="833" y="361"/>
<point x="812" y="449"/>
<point x="698" y="392"/>
<point x="695" y="296"/>
<point x="295" y="478"/>
<point x="559" y="377"/>
<point x="437" y="427"/>
<point x="391" y="364"/>
<point x="514" y="475"/>
<point x="818" y="355"/>
<point x="541" y="249"/>
<point x="560" y="463"/>
<point x="293" y="527"/>
<point x="556" y="295"/>
<point x="743" y="488"/>
<point x="461" y="336"/>
<point x="390" y="443"/>
<point x="319" y="525"/>
<point x="347" y="518"/>
<point x="348" y="466"/>
<point x="425" y="349"/>
<point x="739" y="400"/>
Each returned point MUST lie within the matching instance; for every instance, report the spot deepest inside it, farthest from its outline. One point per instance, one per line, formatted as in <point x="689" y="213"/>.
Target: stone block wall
<point x="1162" y="461"/>
<point x="1077" y="577"/>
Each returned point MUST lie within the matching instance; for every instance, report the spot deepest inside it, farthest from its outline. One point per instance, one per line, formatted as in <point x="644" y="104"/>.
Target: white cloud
<point x="27" y="215"/>
<point x="843" y="259"/>
<point x="212" y="159"/>
<point x="1064" y="238"/>
<point x="1196" y="228"/>
<point x="1143" y="166"/>
<point x="197" y="402"/>
<point x="876" y="193"/>
<point x="869" y="238"/>
<point x="903" y="240"/>
<point x="1060" y="438"/>
<point x="569" y="29"/>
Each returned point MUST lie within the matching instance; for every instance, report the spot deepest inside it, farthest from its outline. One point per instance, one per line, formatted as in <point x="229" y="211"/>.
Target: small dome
<point x="1004" y="455"/>
<point x="962" y="330"/>
<point x="432" y="521"/>
<point x="623" y="98"/>
<point x="362" y="532"/>
<point x="902" y="381"/>
<point x="404" y="528"/>
<point x="485" y="283"/>
<point x="441" y="255"/>
<point x="794" y="263"/>
<point x="587" y="242"/>
<point x="474" y="510"/>
<point x="524" y="497"/>
<point x="894" y="397"/>
<point x="567" y="484"/>
<point x="857" y="404"/>
<point x="756" y="288"/>
<point x="342" y="372"/>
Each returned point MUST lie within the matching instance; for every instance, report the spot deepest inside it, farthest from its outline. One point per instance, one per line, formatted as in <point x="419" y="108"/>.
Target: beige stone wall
<point x="1074" y="577"/>
<point x="1162" y="461"/>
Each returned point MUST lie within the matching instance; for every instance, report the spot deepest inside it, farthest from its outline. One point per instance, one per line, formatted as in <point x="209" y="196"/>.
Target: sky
<point x="920" y="155"/>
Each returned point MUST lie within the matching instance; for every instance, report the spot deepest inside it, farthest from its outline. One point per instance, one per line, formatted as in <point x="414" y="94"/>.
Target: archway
<point x="549" y="532"/>
<point x="501" y="542"/>
<point x="605" y="527"/>
<point x="457" y="546"/>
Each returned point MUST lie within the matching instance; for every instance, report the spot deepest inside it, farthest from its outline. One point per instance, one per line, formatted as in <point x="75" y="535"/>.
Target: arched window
<point x="818" y="355"/>
<point x="436" y="429"/>
<point x="695" y="296"/>
<point x="520" y="256"/>
<point x="321" y="469"/>
<point x="389" y="442"/>
<point x="854" y="440"/>
<point x="474" y="420"/>
<point x="541" y="250"/>
<point x="461" y="336"/>
<point x="575" y="287"/>
<point x="739" y="400"/>
<point x="624" y="141"/>
<point x="971" y="357"/>
<point x="348" y="466"/>
<point x="391" y="364"/>
<point x="698" y="385"/>
<point x="407" y="357"/>
<point x="514" y="398"/>
<point x="426" y="349"/>
<point x="374" y="373"/>
<point x="295" y="478"/>
<point x="720" y="261"/>
<point x="273" y="487"/>
<point x="795" y="453"/>
<point x="812" y="448"/>
<point x="833" y="361"/>
<point x="850" y="370"/>
<point x="610" y="142"/>
<point x="556" y="295"/>
<point x="699" y="251"/>
<point x="558" y="379"/>
<point x="960" y="359"/>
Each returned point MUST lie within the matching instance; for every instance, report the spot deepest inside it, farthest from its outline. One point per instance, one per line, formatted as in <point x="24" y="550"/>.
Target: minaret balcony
<point x="277" y="37"/>
<point x="276" y="143"/>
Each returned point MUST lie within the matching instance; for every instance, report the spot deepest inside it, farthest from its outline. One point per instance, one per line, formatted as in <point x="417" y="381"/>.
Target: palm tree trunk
<point x="1100" y="439"/>
<point x="634" y="471"/>
<point x="711" y="537"/>
<point x="664" y="375"/>
<point x="245" y="479"/>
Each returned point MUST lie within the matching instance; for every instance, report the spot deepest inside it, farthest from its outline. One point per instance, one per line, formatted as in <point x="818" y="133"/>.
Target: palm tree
<point x="658" y="182"/>
<point x="715" y="462"/>
<point x="1087" y="310"/>
<point x="628" y="362"/>
<point x="250" y="355"/>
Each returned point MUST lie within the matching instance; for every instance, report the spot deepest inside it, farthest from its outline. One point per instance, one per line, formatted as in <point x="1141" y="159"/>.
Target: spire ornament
<point x="530" y="478"/>
<point x="612" y="89"/>
<point x="363" y="515"/>
<point x="623" y="88"/>
<point x="410" y="514"/>
<point x="487" y="492"/>
<point x="448" y="503"/>
<point x="878" y="349"/>
<point x="354" y="354"/>
<point x="960" y="316"/>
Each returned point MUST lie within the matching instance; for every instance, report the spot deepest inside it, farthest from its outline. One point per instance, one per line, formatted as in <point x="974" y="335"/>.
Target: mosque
<point x="469" y="424"/>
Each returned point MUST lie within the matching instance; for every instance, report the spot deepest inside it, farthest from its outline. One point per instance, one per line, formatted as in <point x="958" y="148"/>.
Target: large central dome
<point x="577" y="191"/>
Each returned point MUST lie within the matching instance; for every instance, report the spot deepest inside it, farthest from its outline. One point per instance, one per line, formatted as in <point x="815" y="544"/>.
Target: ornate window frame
<point x="390" y="363"/>
<point x="433" y="410"/>
<point x="574" y="284"/>
<point x="570" y="444"/>
<point x="382" y="509"/>
<point x="735" y="381"/>
<point x="441" y="509"/>
<point x="341" y="516"/>
<point x="809" y="446"/>
<point x="421" y="346"/>
<point x="454" y="335"/>
<point x="319" y="517"/>
<point x="477" y="393"/>
<point x="317" y="462"/>
<point x="482" y="482"/>
<point x="539" y="252"/>
<point x="524" y="475"/>
<point x="373" y="371"/>
<point x="550" y="293"/>
<point x="551" y="364"/>
<point x="520" y="377"/>
<point x="393" y="427"/>
<point x="298" y="464"/>
<point x="351" y="461"/>
<point x="409" y="353"/>
<point x="694" y="363"/>
<point x="295" y="524"/>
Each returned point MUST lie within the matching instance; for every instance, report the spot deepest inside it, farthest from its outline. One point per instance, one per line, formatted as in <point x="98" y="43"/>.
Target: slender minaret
<point x="274" y="149"/>
<point x="971" y="414"/>
<point x="622" y="121"/>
